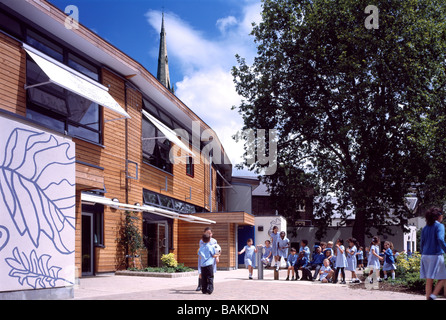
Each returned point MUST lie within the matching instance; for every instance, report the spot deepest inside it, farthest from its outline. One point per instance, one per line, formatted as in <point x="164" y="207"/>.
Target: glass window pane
<point x="49" y="101"/>
<point x="83" y="67"/>
<point x="83" y="111"/>
<point x="35" y="75"/>
<point x="10" y="25"/>
<point x="189" y="208"/>
<point x="44" y="45"/>
<point x="150" y="198"/>
<point x="83" y="133"/>
<point x="151" y="108"/>
<point x="148" y="132"/>
<point x="45" y="120"/>
<point x="166" y="201"/>
<point x="178" y="205"/>
<point x="91" y="117"/>
<point x="166" y="119"/>
<point x="189" y="166"/>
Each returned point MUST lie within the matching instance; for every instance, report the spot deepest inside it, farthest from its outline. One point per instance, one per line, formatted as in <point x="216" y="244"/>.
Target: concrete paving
<point x="229" y="285"/>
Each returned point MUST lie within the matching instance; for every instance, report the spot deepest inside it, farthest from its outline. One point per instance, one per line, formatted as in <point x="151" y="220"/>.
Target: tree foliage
<point x="349" y="104"/>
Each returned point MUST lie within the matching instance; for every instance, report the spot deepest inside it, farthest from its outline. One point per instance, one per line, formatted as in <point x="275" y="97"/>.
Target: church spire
<point x="163" y="62"/>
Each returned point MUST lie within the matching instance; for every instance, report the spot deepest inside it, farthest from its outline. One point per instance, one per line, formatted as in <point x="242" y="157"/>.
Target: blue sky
<point x="203" y="37"/>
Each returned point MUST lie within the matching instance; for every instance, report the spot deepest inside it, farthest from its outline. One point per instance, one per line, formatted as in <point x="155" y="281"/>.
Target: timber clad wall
<point x="189" y="236"/>
<point x="12" y="76"/>
<point x="224" y="231"/>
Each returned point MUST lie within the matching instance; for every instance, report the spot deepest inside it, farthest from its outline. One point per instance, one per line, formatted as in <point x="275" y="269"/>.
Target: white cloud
<point x="207" y="86"/>
<point x="224" y="23"/>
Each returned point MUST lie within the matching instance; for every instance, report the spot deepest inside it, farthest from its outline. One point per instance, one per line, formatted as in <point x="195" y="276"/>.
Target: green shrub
<point x="413" y="282"/>
<point x="408" y="271"/>
<point x="169" y="260"/>
<point x="179" y="268"/>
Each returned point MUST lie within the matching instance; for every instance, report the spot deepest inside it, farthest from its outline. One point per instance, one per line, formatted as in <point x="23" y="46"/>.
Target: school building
<point x="87" y="136"/>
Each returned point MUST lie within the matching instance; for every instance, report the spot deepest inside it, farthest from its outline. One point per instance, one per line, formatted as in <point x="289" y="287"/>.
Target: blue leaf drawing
<point x="34" y="270"/>
<point x="35" y="188"/>
<point x="4" y="237"/>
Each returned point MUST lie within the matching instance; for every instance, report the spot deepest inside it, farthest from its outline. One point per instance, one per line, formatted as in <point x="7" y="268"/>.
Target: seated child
<point x="291" y="262"/>
<point x="325" y="273"/>
<point x="301" y="263"/>
<point x="304" y="248"/>
<point x="316" y="263"/>
<point x="267" y="253"/>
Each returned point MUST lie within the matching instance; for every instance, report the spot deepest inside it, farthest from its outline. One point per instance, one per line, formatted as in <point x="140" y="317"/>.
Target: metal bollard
<point x="259" y="262"/>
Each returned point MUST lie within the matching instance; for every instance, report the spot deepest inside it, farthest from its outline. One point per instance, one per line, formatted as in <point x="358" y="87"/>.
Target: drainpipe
<point x="210" y="181"/>
<point x="126" y="145"/>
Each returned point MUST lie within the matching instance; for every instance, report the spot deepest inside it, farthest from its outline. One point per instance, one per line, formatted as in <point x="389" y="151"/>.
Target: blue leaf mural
<point x="34" y="271"/>
<point x="4" y="237"/>
<point x="35" y="189"/>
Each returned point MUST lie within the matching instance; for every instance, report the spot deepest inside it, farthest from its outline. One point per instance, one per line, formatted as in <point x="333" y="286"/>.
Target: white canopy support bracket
<point x="37" y="85"/>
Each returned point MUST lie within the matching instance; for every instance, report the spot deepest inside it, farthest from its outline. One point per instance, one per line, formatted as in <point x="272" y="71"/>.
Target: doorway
<point x="157" y="235"/>
<point x="244" y="233"/>
<point x="87" y="244"/>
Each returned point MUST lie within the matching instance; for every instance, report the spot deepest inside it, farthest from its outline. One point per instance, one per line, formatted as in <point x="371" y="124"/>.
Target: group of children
<point x="327" y="261"/>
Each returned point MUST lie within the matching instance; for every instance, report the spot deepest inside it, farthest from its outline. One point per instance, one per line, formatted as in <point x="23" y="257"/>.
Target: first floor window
<point x="59" y="109"/>
<point x="189" y="166"/>
<point x="155" y="147"/>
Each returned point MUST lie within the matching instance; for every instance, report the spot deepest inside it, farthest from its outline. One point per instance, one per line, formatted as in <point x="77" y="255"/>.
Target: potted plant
<point x="132" y="240"/>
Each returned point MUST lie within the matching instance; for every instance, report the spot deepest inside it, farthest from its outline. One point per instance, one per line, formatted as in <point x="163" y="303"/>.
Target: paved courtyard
<point x="229" y="285"/>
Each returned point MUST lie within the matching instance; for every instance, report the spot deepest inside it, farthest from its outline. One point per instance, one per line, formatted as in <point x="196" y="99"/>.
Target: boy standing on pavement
<point x="207" y="257"/>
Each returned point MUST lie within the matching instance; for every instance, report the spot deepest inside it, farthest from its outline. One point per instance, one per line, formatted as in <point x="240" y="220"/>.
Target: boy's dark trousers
<point x="207" y="279"/>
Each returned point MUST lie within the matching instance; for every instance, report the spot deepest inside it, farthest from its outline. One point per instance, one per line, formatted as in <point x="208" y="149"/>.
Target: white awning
<point x="74" y="81"/>
<point x="168" y="133"/>
<point x="93" y="199"/>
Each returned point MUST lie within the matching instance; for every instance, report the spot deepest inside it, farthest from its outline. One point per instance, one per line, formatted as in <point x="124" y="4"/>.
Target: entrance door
<point x="157" y="243"/>
<point x="87" y="244"/>
<point x="244" y="233"/>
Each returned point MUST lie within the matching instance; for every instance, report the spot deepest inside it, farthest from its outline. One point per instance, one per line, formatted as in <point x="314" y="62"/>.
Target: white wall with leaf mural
<point x="37" y="208"/>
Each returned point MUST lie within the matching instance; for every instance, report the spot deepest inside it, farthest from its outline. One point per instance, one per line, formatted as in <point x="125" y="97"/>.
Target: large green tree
<point x="349" y="102"/>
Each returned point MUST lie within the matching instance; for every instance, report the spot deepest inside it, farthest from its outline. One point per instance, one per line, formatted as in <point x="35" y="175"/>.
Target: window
<point x="55" y="107"/>
<point x="189" y="166"/>
<point x="162" y="201"/>
<point x="60" y="109"/>
<point x="82" y="66"/>
<point x="61" y="54"/>
<point x="155" y="147"/>
<point x="10" y="25"/>
<point x="44" y="45"/>
<point x="151" y="198"/>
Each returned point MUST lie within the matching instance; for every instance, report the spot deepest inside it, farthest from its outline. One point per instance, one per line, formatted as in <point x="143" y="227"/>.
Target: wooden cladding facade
<point x="12" y="76"/>
<point x="104" y="166"/>
<point x="224" y="231"/>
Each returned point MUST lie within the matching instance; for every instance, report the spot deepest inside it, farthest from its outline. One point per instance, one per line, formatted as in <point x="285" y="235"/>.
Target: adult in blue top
<point x="433" y="247"/>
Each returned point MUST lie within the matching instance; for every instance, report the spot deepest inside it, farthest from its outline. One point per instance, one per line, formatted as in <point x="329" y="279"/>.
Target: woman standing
<point x="432" y="249"/>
